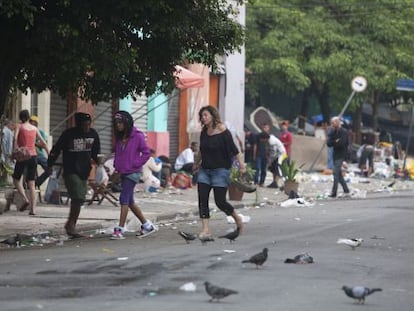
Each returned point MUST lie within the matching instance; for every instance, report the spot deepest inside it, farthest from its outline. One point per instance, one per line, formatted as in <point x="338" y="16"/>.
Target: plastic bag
<point x="52" y="187"/>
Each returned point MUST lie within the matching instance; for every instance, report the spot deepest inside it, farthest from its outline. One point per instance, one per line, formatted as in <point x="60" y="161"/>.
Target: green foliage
<point x="301" y="45"/>
<point x="289" y="170"/>
<point x="110" y="48"/>
<point x="248" y="177"/>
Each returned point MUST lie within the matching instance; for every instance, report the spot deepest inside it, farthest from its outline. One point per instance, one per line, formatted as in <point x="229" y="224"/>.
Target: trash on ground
<point x="188" y="287"/>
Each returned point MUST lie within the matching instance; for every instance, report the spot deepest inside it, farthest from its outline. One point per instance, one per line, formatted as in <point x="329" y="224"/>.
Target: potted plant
<point x="289" y="171"/>
<point x="240" y="183"/>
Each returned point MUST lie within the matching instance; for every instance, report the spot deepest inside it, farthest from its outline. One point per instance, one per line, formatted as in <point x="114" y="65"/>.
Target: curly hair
<point x="126" y="118"/>
<point x="214" y="113"/>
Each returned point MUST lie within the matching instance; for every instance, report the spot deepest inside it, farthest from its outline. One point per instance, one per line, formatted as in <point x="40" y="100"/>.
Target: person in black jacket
<point x="79" y="145"/>
<point x="338" y="139"/>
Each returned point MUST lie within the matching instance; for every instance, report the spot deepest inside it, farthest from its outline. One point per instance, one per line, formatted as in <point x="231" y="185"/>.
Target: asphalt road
<point x="146" y="274"/>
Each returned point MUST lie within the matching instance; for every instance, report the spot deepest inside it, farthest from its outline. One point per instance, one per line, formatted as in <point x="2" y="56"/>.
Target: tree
<point x="109" y="49"/>
<point x="315" y="48"/>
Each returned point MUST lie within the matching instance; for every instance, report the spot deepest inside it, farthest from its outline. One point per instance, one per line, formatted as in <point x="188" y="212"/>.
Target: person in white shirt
<point x="276" y="155"/>
<point x="7" y="144"/>
<point x="153" y="165"/>
<point x="185" y="160"/>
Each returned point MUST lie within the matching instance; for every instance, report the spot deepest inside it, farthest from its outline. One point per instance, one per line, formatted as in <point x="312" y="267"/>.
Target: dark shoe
<point x="332" y="196"/>
<point x="273" y="185"/>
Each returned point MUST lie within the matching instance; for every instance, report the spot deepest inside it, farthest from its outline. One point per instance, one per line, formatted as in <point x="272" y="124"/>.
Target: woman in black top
<point x="217" y="149"/>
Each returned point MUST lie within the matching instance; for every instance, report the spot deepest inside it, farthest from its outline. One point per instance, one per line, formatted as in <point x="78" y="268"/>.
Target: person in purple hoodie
<point x="131" y="153"/>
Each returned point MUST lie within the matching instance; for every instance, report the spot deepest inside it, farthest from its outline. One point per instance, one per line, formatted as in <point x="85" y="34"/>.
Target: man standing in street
<point x="79" y="145"/>
<point x="260" y="149"/>
<point x="338" y="139"/>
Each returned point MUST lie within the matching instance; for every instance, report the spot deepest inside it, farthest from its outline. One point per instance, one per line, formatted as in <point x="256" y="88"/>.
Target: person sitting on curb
<point x="151" y="167"/>
<point x="185" y="161"/>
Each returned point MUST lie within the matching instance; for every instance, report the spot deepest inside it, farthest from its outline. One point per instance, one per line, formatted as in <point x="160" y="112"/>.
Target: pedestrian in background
<point x="41" y="153"/>
<point x="25" y="137"/>
<point x="217" y="150"/>
<point x="286" y="138"/>
<point x="260" y="151"/>
<point x="131" y="153"/>
<point x="338" y="140"/>
<point x="249" y="139"/>
<point x="185" y="161"/>
<point x="79" y="145"/>
<point x="151" y="173"/>
<point x="277" y="154"/>
<point x="7" y="143"/>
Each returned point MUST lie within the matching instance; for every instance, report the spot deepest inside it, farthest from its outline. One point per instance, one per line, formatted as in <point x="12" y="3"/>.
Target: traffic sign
<point x="359" y="84"/>
<point x="405" y="85"/>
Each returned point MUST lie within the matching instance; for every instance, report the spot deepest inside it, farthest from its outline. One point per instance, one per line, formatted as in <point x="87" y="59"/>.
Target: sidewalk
<point x="170" y="205"/>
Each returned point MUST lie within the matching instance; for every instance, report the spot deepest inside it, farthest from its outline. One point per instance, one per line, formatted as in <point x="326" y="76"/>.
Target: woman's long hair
<point x="214" y="113"/>
<point x="126" y="118"/>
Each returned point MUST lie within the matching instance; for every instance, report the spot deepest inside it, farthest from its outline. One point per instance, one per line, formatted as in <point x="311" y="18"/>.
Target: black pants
<point x="338" y="178"/>
<point x="219" y="198"/>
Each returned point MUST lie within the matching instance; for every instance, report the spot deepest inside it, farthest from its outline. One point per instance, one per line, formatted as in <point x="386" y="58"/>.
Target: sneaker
<point x="332" y="196"/>
<point x="151" y="228"/>
<point x="117" y="234"/>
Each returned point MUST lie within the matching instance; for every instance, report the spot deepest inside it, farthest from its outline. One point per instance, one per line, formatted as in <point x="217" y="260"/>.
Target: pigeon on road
<point x="359" y="292"/>
<point x="187" y="236"/>
<point x="216" y="292"/>
<point x="232" y="236"/>
<point x="351" y="242"/>
<point x="258" y="259"/>
<point x="300" y="259"/>
<point x="13" y="240"/>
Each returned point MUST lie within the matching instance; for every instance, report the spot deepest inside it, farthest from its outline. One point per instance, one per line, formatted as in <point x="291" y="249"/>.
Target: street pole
<point x="340" y="115"/>
<point x="347" y="104"/>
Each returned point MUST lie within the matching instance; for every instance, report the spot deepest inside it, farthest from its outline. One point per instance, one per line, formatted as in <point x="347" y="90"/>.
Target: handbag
<point x="21" y="154"/>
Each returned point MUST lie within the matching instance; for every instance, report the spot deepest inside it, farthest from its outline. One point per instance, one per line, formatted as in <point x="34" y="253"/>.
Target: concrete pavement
<point x="175" y="204"/>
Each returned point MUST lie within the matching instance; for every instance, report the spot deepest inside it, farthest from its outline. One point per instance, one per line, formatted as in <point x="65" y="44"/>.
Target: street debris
<point x="188" y="287"/>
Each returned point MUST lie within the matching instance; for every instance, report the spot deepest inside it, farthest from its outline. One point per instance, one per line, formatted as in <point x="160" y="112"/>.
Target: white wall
<point x="231" y="102"/>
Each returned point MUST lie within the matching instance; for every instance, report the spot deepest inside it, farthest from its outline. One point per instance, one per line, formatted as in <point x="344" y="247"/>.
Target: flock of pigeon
<point x="358" y="293"/>
<point x="216" y="293"/>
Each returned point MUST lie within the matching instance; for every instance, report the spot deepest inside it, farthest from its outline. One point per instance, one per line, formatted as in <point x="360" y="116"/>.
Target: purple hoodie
<point x="132" y="157"/>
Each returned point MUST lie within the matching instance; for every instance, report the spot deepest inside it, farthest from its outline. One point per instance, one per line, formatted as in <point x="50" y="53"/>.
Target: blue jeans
<point x="218" y="177"/>
<point x="42" y="161"/>
<point x="261" y="167"/>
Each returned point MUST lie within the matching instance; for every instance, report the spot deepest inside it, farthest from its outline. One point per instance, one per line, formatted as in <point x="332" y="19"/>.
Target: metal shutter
<point x="58" y="114"/>
<point x="139" y="109"/>
<point x="172" y="126"/>
<point x="102" y="123"/>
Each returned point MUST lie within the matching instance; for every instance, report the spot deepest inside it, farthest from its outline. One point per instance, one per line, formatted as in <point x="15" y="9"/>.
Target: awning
<point x="185" y="79"/>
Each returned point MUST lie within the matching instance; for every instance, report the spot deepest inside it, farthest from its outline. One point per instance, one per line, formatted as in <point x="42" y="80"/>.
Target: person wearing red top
<point x="286" y="138"/>
<point x="25" y="136"/>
